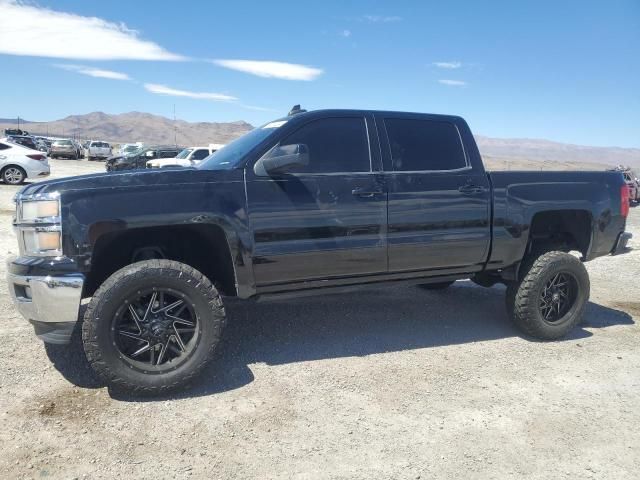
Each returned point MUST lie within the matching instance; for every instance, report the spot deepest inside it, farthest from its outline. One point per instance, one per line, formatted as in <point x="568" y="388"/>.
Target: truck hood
<point x="139" y="178"/>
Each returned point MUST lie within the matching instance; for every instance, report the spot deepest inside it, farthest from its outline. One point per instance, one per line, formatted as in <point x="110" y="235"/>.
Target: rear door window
<point x="424" y="145"/>
<point x="167" y="154"/>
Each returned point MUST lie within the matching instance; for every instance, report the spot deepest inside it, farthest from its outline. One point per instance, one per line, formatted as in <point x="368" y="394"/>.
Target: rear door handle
<point x="470" y="189"/>
<point x="366" y="193"/>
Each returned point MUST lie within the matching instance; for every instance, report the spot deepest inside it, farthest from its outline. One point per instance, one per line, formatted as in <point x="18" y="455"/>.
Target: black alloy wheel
<point x="558" y="296"/>
<point x="156" y="330"/>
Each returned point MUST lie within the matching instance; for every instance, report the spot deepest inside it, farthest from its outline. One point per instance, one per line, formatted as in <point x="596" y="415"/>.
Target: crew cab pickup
<point x="310" y="203"/>
<point x="189" y="157"/>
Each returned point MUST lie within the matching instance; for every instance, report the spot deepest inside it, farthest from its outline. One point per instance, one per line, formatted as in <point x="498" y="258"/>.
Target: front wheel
<point x="153" y="326"/>
<point x="550" y="299"/>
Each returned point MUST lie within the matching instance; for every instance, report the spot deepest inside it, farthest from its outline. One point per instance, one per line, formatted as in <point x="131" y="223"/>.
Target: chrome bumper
<point x="51" y="304"/>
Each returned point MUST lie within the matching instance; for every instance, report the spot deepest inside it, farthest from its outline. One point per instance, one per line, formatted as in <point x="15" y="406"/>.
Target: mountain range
<point x="498" y="153"/>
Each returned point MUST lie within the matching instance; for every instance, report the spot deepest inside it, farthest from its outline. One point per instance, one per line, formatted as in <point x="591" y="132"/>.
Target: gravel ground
<point x="390" y="383"/>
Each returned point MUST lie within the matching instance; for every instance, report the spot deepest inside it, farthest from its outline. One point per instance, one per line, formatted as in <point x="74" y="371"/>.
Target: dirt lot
<point x="392" y="383"/>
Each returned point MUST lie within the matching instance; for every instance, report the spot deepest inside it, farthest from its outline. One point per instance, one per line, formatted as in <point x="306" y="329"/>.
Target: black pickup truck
<point x="311" y="203"/>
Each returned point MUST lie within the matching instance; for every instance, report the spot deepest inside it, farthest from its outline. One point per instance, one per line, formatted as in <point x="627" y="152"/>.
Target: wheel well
<point x="563" y="230"/>
<point x="204" y="247"/>
<point x="13" y="165"/>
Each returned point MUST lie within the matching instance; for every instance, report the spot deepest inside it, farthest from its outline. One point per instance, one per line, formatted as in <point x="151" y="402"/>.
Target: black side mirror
<point x="281" y="159"/>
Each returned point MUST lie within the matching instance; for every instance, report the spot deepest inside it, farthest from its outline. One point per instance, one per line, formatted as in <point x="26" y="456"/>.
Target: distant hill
<point x="136" y="127"/>
<point x="547" y="152"/>
<point x="499" y="153"/>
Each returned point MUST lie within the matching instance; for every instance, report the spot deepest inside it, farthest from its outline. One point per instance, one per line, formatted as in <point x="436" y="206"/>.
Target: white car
<point x="186" y="158"/>
<point x="18" y="163"/>
<point x="98" y="150"/>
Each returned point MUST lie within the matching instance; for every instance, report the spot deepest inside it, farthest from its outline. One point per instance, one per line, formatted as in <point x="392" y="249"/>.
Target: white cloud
<point x="164" y="90"/>
<point x="267" y="69"/>
<point x="382" y="18"/>
<point x="345" y="33"/>
<point x="448" y="65"/>
<point x="30" y="30"/>
<point x="94" y="72"/>
<point x="256" y="108"/>
<point x="453" y="83"/>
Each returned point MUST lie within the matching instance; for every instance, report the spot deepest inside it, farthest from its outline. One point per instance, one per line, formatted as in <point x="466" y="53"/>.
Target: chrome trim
<point x="453" y="170"/>
<point x="51" y="299"/>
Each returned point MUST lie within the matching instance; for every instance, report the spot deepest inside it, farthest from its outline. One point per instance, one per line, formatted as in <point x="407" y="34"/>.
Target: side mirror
<point x="149" y="154"/>
<point x="282" y="158"/>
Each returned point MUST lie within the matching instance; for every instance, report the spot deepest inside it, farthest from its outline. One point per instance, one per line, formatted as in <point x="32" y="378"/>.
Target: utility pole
<point x="175" y="141"/>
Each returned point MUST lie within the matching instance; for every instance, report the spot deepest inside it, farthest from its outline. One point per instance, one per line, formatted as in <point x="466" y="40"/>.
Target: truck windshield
<point x="232" y="154"/>
<point x="184" y="153"/>
<point x="134" y="152"/>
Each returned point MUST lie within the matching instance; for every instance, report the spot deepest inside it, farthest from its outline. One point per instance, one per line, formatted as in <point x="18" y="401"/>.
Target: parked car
<point x="17" y="163"/>
<point x="634" y="185"/>
<point x="24" y="140"/>
<point x="64" y="148"/>
<point x="188" y="157"/>
<point x="79" y="148"/>
<point x="140" y="157"/>
<point x="42" y="144"/>
<point x="98" y="150"/>
<point x="127" y="148"/>
<point x="310" y="203"/>
<point x="632" y="182"/>
<point x="9" y="132"/>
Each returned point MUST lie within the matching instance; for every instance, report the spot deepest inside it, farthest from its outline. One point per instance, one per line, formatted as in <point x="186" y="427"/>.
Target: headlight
<point x="38" y="225"/>
<point x="39" y="210"/>
<point x="41" y="241"/>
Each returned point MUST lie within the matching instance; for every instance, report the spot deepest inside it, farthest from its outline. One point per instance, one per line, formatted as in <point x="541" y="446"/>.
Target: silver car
<point x="64" y="148"/>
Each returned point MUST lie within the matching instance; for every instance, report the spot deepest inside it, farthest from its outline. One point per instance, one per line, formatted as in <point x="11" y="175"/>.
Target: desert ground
<point x="389" y="383"/>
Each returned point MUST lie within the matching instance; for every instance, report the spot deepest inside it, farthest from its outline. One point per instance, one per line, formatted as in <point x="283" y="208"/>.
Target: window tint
<point x="167" y="153"/>
<point x="424" y="145"/>
<point x="200" y="154"/>
<point x="334" y="145"/>
<point x="3" y="146"/>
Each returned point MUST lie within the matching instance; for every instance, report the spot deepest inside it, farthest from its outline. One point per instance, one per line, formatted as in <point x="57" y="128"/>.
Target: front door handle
<point x="470" y="189"/>
<point x="366" y="193"/>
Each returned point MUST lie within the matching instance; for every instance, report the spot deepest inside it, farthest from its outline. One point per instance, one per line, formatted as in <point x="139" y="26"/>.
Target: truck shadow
<point x="342" y="325"/>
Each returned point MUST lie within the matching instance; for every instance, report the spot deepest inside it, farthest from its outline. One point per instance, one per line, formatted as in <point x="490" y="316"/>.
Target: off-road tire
<point x="436" y="286"/>
<point x="102" y="353"/>
<point x="523" y="297"/>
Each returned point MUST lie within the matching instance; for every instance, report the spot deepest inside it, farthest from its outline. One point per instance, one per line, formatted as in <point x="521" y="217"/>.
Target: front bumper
<point x="49" y="303"/>
<point x="621" y="243"/>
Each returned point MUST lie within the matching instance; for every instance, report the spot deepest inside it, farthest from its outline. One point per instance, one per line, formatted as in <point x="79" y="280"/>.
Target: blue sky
<point x="561" y="70"/>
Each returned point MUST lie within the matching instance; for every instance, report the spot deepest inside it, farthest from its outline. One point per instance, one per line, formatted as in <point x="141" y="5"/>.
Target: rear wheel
<point x="13" y="175"/>
<point x="551" y="298"/>
<point x="153" y="326"/>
